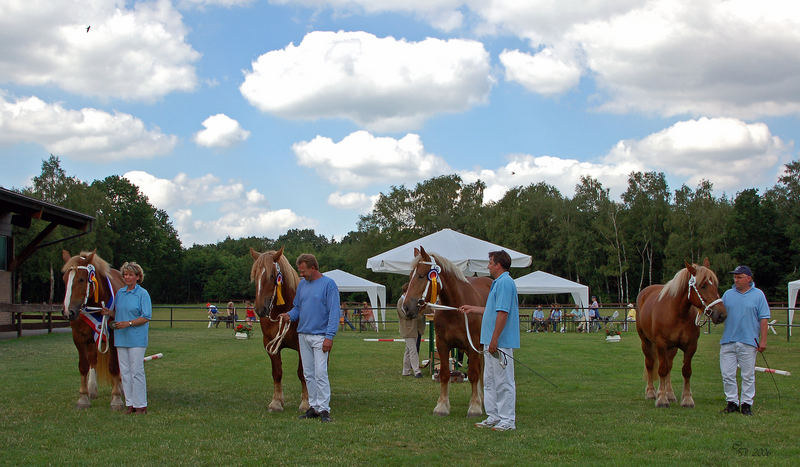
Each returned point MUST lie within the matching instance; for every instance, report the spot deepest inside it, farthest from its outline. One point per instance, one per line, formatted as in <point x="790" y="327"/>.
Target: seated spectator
<point x="537" y="320"/>
<point x="212" y="315"/>
<point x="251" y="313"/>
<point x="555" y="318"/>
<point x="577" y="317"/>
<point x="630" y="316"/>
<point x="231" y="321"/>
<point x="368" y="317"/>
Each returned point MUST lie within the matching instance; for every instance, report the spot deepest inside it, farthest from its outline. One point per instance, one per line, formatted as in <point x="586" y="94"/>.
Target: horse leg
<point x="474" y="374"/>
<point x="664" y="368"/>
<point x="276" y="404"/>
<point x="443" y="404"/>
<point x="686" y="398"/>
<point x="304" y="405"/>
<point x="116" y="381"/>
<point x="649" y="351"/>
<point x="83" y="366"/>
<point x="671" y="358"/>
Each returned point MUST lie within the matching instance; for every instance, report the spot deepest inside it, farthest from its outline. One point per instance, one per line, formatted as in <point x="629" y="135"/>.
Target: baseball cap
<point x="742" y="270"/>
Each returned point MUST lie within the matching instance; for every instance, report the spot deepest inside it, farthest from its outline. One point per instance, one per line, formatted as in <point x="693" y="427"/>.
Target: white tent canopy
<point x="794" y="286"/>
<point x="468" y="253"/>
<point x="347" y="282"/>
<point x="540" y="283"/>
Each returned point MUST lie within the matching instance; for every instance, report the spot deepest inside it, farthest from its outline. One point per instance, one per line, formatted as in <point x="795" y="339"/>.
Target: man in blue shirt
<point x="316" y="308"/>
<point x="499" y="336"/>
<point x="745" y="333"/>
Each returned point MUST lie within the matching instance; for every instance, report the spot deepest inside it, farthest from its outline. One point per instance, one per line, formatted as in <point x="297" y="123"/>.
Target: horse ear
<point x="416" y="252"/>
<point x="706" y="263"/>
<point x="90" y="257"/>
<point x="423" y="253"/>
<point x="65" y="255"/>
<point x="277" y="254"/>
<point x="690" y="267"/>
<point x="254" y="253"/>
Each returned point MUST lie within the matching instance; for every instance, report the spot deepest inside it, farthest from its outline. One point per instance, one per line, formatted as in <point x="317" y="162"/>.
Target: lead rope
<point x="274" y="345"/>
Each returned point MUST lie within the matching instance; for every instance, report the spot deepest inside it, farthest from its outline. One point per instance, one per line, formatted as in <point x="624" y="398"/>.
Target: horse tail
<point x="103" y="372"/>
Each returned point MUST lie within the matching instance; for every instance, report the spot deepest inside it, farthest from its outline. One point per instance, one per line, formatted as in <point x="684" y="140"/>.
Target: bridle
<point x="434" y="283"/>
<point x="92" y="284"/>
<point x="272" y="347"/>
<point x="276" y="291"/>
<point x="706" y="313"/>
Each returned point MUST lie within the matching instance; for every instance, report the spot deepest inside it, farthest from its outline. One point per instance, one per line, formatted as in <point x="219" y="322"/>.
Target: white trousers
<point x="735" y="354"/>
<point x="315" y="370"/>
<point x="411" y="357"/>
<point x="499" y="388"/>
<point x="131" y="369"/>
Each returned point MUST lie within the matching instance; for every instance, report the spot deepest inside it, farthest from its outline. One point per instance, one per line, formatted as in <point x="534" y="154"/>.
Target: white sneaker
<point x="503" y="427"/>
<point x="488" y="423"/>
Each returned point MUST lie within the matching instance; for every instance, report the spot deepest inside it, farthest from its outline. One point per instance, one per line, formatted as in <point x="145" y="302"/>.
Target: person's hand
<point x="492" y="346"/>
<point x="327" y="344"/>
<point x="283" y="316"/>
<point x="107" y="312"/>
<point x="467" y="308"/>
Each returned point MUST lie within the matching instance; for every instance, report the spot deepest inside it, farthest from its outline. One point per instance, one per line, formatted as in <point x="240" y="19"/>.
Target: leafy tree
<point x="646" y="210"/>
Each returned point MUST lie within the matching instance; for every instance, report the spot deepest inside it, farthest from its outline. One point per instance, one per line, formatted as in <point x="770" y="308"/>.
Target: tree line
<point x="616" y="247"/>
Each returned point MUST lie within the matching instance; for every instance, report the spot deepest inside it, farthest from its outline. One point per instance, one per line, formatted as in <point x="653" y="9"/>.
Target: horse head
<point x="704" y="291"/>
<point x="421" y="289"/>
<point x="275" y="279"/>
<point x="82" y="286"/>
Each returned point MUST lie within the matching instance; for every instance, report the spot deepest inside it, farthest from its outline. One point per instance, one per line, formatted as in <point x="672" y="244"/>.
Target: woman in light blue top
<point x="132" y="313"/>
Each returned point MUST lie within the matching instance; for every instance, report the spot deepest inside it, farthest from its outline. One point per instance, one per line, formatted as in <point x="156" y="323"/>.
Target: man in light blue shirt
<point x="745" y="333"/>
<point x="499" y="336"/>
<point x="316" y="308"/>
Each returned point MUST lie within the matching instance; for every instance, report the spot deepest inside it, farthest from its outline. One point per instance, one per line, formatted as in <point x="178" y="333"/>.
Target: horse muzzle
<point x="72" y="313"/>
<point x="412" y="309"/>
<point x="718" y="313"/>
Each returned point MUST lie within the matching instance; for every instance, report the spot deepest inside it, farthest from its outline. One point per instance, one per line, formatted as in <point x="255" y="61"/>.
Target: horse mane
<point x="679" y="283"/>
<point x="446" y="265"/>
<point x="290" y="277"/>
<point x="100" y="265"/>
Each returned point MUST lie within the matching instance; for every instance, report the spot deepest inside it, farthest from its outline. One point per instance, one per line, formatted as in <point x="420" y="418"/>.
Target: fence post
<point x="170" y="317"/>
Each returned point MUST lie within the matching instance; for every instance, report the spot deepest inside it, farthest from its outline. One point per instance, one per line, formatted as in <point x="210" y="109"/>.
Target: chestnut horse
<point x="90" y="284"/>
<point x="668" y="318"/>
<point x="435" y="277"/>
<point x="276" y="284"/>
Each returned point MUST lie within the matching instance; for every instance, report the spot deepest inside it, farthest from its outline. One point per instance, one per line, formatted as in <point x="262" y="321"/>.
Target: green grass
<point x="208" y="400"/>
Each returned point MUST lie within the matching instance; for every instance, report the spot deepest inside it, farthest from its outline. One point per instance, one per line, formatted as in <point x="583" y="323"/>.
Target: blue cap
<point x="742" y="270"/>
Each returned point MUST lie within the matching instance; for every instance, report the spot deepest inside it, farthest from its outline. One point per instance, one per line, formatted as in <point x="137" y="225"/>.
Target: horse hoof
<point x="304" y="406"/>
<point x="472" y="412"/>
<point x="275" y="406"/>
<point x="662" y="403"/>
<point x="650" y="395"/>
<point x="441" y="411"/>
<point x="83" y="403"/>
<point x="689" y="404"/>
<point x="672" y="398"/>
<point x="116" y="407"/>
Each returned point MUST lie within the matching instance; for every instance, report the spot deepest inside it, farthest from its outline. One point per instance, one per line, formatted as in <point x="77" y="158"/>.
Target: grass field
<point x="208" y="397"/>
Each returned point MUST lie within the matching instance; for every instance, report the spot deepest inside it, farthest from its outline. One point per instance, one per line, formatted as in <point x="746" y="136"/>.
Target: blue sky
<point x="254" y="117"/>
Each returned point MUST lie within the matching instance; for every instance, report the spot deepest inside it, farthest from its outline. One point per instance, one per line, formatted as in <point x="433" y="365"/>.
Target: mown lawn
<point x="208" y="400"/>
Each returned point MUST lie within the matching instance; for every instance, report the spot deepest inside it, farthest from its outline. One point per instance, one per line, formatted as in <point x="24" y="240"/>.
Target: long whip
<point x="768" y="368"/>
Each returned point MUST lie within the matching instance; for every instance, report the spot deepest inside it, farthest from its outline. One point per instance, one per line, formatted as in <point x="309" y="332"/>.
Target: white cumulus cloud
<point x="136" y="53"/>
<point x="361" y="159"/>
<point x="356" y="201"/>
<point x="383" y="84"/>
<point x="543" y="73"/>
<point x="220" y="131"/>
<point x="234" y="210"/>
<point x="85" y="134"/>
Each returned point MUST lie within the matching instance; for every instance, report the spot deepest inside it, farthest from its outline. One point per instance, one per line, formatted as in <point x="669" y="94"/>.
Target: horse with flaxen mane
<point x="276" y="284"/>
<point x="668" y="318"/>
<point x="90" y="284"/>
<point x="437" y="278"/>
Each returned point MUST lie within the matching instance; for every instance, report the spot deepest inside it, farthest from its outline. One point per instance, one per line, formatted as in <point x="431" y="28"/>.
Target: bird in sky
<point x="87" y="28"/>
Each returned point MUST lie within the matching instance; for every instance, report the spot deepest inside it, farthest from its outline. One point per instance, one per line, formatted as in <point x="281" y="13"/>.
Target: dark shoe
<point x="418" y="375"/>
<point x="140" y="410"/>
<point x="129" y="409"/>
<point x="746" y="409"/>
<point x="310" y="413"/>
<point x="732" y="407"/>
<point x="324" y="416"/>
